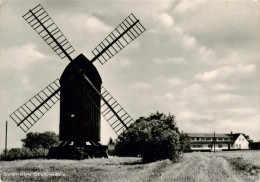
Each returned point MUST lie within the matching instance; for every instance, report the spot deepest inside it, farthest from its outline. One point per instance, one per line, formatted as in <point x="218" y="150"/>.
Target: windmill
<point x="82" y="97"/>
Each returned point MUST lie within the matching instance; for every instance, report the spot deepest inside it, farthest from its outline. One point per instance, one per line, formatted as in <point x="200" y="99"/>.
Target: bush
<point x="185" y="145"/>
<point x="37" y="140"/>
<point x="153" y="138"/>
<point x="23" y="153"/>
<point x="111" y="147"/>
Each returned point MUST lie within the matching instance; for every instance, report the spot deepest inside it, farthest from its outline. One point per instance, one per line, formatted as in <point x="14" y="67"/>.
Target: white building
<point x="206" y="141"/>
<point x="240" y="142"/>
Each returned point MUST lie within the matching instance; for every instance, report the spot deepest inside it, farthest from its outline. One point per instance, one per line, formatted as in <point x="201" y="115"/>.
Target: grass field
<point x="199" y="167"/>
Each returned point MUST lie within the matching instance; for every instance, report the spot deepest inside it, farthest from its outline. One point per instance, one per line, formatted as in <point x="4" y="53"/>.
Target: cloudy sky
<point x="198" y="60"/>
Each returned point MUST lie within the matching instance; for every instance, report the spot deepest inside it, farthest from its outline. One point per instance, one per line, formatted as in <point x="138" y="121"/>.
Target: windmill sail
<point x="30" y="112"/>
<point x="42" y="23"/>
<point x="120" y="37"/>
<point x="113" y="112"/>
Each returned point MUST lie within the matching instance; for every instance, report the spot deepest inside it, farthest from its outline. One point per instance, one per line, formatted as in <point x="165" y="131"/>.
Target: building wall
<point x="197" y="146"/>
<point x="241" y="143"/>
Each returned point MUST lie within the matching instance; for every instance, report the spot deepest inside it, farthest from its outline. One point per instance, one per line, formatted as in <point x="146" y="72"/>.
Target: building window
<point x="239" y="145"/>
<point x="198" y="139"/>
<point x="225" y="138"/>
<point x="219" y="146"/>
<point x="208" y="139"/>
<point x="209" y="146"/>
<point x="236" y="145"/>
<point x="220" y="138"/>
<point x="242" y="139"/>
<point x="239" y="139"/>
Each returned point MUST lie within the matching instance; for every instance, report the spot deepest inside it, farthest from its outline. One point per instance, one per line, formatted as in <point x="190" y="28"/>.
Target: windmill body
<point x="82" y="97"/>
<point x="79" y="116"/>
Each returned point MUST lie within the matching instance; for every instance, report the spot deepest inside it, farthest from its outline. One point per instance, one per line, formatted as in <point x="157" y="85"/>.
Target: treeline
<point x="35" y="145"/>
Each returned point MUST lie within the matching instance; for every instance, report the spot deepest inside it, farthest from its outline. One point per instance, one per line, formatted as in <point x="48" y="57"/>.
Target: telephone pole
<point x="214" y="140"/>
<point x="6" y="139"/>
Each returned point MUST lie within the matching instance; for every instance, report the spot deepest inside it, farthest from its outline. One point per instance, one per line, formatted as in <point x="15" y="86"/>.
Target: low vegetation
<point x="23" y="153"/>
<point x="35" y="145"/>
<point x="195" y="167"/>
<point x="247" y="161"/>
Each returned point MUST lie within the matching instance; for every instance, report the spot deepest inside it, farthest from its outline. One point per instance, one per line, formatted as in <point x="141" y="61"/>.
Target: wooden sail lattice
<point x="119" y="38"/>
<point x="42" y="23"/>
<point x="30" y="112"/>
<point x="119" y="120"/>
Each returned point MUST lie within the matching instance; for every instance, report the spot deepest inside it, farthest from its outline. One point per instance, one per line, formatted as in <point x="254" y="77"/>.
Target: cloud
<point x="174" y="61"/>
<point x="226" y="97"/>
<point x="142" y="86"/>
<point x="185" y="38"/>
<point x="93" y="23"/>
<point x="168" y="82"/>
<point x="207" y="76"/>
<point x="26" y="83"/>
<point x="21" y="57"/>
<point x="189" y="40"/>
<point x="238" y="125"/>
<point x="188" y="115"/>
<point x="169" y="96"/>
<point x="206" y="55"/>
<point x="242" y="111"/>
<point x="197" y="60"/>
<point x="226" y="72"/>
<point x="165" y="19"/>
<point x="186" y="5"/>
<point x="193" y="88"/>
<point x="222" y="87"/>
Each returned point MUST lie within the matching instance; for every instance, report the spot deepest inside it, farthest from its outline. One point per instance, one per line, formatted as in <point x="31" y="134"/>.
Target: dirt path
<point x="194" y="167"/>
<point x="204" y="168"/>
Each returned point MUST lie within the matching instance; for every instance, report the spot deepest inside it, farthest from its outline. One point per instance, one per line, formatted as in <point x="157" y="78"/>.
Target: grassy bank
<point x="192" y="167"/>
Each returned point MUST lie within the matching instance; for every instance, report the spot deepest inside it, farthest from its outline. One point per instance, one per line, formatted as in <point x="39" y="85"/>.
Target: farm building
<point x="240" y="142"/>
<point x="205" y="141"/>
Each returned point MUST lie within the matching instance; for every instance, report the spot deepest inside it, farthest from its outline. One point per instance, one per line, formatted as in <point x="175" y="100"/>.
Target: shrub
<point x="153" y="138"/>
<point x="23" y="153"/>
<point x="185" y="145"/>
<point x="44" y="140"/>
<point x="111" y="147"/>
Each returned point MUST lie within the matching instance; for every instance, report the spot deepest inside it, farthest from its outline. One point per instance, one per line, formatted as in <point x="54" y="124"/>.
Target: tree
<point x="31" y="141"/>
<point x="40" y="140"/>
<point x="246" y="136"/>
<point x="111" y="141"/>
<point x="155" y="137"/>
<point x="48" y="139"/>
<point x="185" y="142"/>
<point x="111" y="147"/>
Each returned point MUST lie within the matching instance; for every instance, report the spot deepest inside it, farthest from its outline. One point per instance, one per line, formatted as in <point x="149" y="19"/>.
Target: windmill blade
<point x="42" y="23"/>
<point x="119" y="38"/>
<point x="113" y="112"/>
<point x="30" y="112"/>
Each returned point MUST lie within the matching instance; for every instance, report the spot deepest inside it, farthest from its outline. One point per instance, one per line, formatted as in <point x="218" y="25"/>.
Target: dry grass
<point x="198" y="167"/>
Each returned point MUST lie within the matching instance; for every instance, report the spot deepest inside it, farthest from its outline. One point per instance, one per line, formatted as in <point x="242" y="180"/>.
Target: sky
<point x="197" y="60"/>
